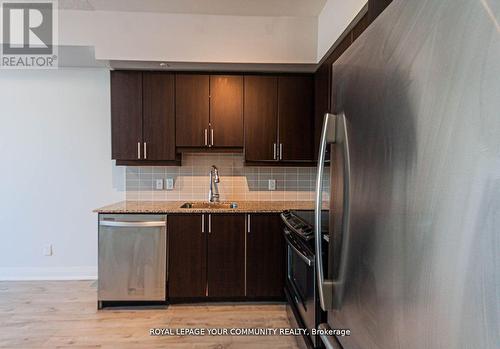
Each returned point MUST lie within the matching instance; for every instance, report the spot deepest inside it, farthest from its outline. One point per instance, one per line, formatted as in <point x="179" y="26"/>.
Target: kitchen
<point x="272" y="174"/>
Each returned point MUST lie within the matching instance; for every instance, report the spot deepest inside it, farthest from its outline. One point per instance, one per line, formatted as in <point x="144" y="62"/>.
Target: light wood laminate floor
<point x="63" y="314"/>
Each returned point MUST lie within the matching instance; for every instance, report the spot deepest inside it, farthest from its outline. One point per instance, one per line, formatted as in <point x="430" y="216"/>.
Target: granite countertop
<point x="175" y="207"/>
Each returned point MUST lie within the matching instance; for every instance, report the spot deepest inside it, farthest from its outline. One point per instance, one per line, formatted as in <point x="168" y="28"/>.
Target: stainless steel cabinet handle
<point x="211" y="137"/>
<point x="274" y="151"/>
<point x="334" y="131"/>
<point x="132" y="224"/>
<point x="209" y="223"/>
<point x="145" y="150"/>
<point x="138" y="150"/>
<point x="206" y="137"/>
<point x="328" y="341"/>
<point x="281" y="151"/>
<point x="203" y="223"/>
<point x="248" y="223"/>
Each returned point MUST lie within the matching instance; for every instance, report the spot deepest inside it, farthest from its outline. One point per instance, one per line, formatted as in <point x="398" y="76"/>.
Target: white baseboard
<point x="47" y="273"/>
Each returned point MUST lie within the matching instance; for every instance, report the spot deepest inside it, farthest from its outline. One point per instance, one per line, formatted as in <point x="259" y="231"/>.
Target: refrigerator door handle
<point x="331" y="290"/>
<point x="327" y="136"/>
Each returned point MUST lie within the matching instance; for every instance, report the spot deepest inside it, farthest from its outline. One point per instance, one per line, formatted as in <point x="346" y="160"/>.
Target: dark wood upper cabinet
<point x="296" y="118"/>
<point x="187" y="256"/>
<point x="226" y="255"/>
<point x="260" y="105"/>
<point x="226" y="110"/>
<point x="142" y="117"/>
<point x="126" y="115"/>
<point x="159" y="116"/>
<point x="279" y="118"/>
<point x="266" y="254"/>
<point x="192" y="110"/>
<point x="209" y="111"/>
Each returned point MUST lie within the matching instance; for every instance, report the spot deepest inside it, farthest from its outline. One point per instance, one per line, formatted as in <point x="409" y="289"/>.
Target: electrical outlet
<point x="170" y="184"/>
<point x="272" y="184"/>
<point x="47" y="250"/>
<point x="159" y="184"/>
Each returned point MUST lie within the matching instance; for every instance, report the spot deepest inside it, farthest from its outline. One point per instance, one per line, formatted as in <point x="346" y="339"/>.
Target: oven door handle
<point x="307" y="260"/>
<point x="283" y="218"/>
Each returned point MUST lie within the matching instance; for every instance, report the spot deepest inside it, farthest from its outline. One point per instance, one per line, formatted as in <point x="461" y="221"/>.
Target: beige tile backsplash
<point x="237" y="182"/>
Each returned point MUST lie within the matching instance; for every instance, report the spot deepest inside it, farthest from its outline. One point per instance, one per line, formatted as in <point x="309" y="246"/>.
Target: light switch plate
<point x="170" y="184"/>
<point x="272" y="184"/>
<point x="159" y="184"/>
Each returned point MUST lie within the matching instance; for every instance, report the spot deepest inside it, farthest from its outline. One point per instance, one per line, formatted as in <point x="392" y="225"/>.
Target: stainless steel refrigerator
<point x="414" y="255"/>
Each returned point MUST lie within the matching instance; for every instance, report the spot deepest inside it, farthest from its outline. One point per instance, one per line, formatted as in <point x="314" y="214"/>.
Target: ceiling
<point x="298" y="8"/>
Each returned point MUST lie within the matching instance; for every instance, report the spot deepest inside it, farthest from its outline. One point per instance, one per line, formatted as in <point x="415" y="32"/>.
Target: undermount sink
<point x="210" y="205"/>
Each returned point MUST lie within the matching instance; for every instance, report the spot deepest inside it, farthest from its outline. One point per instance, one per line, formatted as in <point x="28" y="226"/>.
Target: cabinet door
<point x="260" y="117"/>
<point x="192" y="109"/>
<point x="266" y="256"/>
<point x="226" y="110"/>
<point x="296" y="117"/>
<point x="226" y="255"/>
<point x="159" y="116"/>
<point x="187" y="256"/>
<point x="126" y="115"/>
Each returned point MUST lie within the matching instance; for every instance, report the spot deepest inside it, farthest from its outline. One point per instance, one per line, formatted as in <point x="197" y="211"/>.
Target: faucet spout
<point x="213" y="191"/>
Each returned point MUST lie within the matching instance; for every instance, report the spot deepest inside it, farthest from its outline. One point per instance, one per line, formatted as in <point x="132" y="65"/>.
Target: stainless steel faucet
<point x="213" y="191"/>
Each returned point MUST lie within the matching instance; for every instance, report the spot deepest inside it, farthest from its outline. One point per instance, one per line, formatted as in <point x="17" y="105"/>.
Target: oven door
<point x="301" y="279"/>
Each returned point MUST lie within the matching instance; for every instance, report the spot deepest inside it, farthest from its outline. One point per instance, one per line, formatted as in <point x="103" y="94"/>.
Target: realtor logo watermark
<point x="29" y="34"/>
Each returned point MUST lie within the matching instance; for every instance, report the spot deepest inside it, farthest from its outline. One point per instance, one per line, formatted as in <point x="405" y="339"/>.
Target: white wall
<point x="146" y="36"/>
<point x="55" y="169"/>
<point x="191" y="37"/>
<point x="333" y="20"/>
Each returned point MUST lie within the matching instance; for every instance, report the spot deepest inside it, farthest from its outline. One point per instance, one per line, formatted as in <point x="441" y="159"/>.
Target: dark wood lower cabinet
<point x="226" y="255"/>
<point x="187" y="256"/>
<point x="266" y="257"/>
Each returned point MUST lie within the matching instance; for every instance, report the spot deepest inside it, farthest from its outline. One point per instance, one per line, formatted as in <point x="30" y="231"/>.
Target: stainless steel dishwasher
<point x="132" y="258"/>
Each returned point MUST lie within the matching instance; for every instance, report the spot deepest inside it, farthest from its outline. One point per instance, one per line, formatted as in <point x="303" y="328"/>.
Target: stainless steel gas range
<point x="303" y="305"/>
